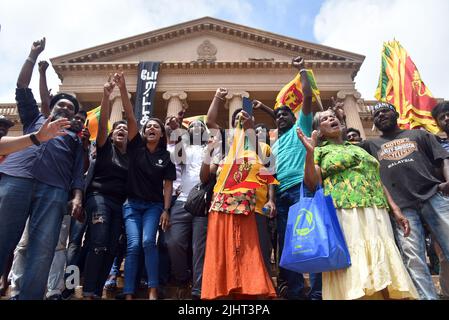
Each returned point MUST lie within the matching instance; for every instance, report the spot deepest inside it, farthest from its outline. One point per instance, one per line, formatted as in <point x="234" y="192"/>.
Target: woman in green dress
<point x="351" y="176"/>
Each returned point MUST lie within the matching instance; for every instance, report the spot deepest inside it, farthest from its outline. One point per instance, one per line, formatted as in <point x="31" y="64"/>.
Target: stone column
<point x="175" y="102"/>
<point x="350" y="98"/>
<point x="235" y="101"/>
<point x="116" y="105"/>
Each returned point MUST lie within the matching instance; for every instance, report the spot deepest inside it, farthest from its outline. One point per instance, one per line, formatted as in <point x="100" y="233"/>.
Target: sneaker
<point x="16" y="297"/>
<point x="55" y="297"/>
<point x="67" y="294"/>
<point x="111" y="284"/>
<point x="283" y="291"/>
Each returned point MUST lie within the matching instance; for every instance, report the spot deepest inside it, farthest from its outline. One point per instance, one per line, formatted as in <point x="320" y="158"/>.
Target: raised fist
<point x="38" y="46"/>
<point x="119" y="79"/>
<point x="221" y="93"/>
<point x="257" y="104"/>
<point x="298" y="62"/>
<point x="43" y="65"/>
<point x="108" y="87"/>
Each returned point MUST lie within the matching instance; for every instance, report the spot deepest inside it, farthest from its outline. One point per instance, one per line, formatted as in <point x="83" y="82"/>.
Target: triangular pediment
<point x="207" y="40"/>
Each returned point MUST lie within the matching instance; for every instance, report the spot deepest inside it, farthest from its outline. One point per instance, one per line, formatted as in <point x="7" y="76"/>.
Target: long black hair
<point x="163" y="140"/>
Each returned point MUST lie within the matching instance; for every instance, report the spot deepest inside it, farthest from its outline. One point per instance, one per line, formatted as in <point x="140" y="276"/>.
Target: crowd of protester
<point x="72" y="211"/>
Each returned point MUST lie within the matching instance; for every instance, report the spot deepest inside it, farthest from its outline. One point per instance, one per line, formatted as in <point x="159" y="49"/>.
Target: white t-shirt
<point x="191" y="170"/>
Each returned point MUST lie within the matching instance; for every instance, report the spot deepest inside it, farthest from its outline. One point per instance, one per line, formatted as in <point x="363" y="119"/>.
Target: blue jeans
<point x="77" y="230"/>
<point x="120" y="254"/>
<point x="141" y="224"/>
<point x="104" y="215"/>
<point x="46" y="206"/>
<point x="294" y="280"/>
<point x="435" y="213"/>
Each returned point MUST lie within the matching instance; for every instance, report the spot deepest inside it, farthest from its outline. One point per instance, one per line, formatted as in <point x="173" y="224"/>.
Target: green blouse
<point x="351" y="175"/>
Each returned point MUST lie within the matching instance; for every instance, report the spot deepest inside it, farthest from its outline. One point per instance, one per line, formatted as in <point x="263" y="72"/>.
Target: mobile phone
<point x="248" y="106"/>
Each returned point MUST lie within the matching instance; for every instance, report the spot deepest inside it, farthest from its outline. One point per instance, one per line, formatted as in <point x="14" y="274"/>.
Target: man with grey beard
<point x="36" y="183"/>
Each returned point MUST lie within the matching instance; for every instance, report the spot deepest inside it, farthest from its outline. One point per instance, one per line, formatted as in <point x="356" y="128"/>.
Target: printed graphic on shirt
<point x="160" y="163"/>
<point x="397" y="149"/>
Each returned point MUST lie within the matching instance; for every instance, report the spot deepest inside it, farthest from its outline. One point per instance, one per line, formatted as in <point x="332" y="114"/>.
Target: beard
<point x="60" y="113"/>
<point x="386" y="125"/>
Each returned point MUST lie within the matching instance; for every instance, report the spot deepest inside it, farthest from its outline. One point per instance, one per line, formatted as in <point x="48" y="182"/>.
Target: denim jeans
<point x="435" y="213"/>
<point x="119" y="256"/>
<point x="55" y="283"/>
<point x="186" y="239"/>
<point x="104" y="218"/>
<point x="18" y="263"/>
<point x="141" y="224"/>
<point x="295" y="281"/>
<point x="46" y="206"/>
<point x="77" y="230"/>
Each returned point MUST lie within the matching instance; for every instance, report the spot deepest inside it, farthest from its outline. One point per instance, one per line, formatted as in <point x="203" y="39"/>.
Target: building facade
<point x="201" y="55"/>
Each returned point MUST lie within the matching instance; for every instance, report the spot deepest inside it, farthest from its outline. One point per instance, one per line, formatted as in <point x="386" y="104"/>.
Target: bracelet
<point x="34" y="139"/>
<point x="167" y="209"/>
<point x="220" y="98"/>
<point x="302" y="70"/>
<point x="31" y="60"/>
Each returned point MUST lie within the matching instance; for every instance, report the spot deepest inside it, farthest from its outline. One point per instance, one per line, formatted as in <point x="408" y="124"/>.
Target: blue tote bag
<point x="314" y="241"/>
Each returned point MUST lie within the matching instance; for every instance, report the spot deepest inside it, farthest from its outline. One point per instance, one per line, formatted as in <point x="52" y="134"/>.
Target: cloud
<point x="361" y="26"/>
<point x="75" y="25"/>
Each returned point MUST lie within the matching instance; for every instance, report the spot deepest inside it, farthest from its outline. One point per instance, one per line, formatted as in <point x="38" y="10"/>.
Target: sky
<point x="359" y="26"/>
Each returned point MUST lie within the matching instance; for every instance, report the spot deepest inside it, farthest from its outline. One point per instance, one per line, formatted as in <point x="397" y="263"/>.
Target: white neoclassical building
<point x="201" y="55"/>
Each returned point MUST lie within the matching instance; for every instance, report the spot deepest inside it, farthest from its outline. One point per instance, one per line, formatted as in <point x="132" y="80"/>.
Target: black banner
<point x="146" y="90"/>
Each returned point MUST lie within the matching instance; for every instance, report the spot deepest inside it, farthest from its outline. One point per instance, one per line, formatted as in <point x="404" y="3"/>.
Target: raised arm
<point x="104" y="113"/>
<point x="27" y="69"/>
<point x="312" y="172"/>
<point x="338" y="108"/>
<point x="259" y="105"/>
<point x="207" y="167"/>
<point x="133" y="129"/>
<point x="43" y="88"/>
<point x="217" y="103"/>
<point x="299" y="64"/>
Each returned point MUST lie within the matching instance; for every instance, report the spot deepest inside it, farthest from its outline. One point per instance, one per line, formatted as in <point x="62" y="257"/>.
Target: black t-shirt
<point x="110" y="172"/>
<point x="408" y="160"/>
<point x="147" y="171"/>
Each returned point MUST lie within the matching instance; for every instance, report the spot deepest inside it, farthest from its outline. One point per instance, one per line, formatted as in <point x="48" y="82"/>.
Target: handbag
<point x="314" y="241"/>
<point x="199" y="198"/>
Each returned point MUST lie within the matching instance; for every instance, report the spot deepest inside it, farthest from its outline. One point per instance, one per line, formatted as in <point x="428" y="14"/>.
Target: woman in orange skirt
<point x="234" y="266"/>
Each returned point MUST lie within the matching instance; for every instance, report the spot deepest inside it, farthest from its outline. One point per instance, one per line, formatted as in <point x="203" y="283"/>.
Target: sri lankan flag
<point x="291" y="94"/>
<point x="93" y="117"/>
<point x="242" y="169"/>
<point x="187" y="121"/>
<point x="401" y="85"/>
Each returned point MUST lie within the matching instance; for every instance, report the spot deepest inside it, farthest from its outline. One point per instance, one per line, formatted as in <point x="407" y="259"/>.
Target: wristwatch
<point x="34" y="139"/>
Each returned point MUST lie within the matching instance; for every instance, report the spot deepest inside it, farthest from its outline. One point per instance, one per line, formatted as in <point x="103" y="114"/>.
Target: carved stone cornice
<point x="202" y="67"/>
<point x="211" y="26"/>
